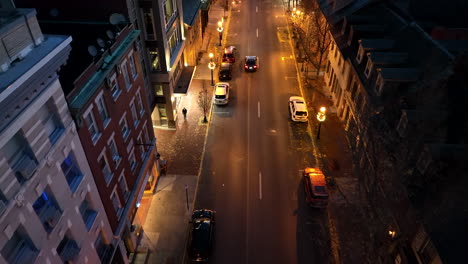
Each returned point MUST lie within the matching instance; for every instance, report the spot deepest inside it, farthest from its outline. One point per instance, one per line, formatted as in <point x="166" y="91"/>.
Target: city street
<point x="251" y="171"/>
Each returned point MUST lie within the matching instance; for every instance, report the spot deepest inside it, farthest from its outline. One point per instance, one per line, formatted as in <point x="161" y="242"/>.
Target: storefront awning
<point x="185" y="79"/>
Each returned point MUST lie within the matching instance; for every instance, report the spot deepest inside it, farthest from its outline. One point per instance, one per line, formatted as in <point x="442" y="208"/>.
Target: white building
<point x="50" y="210"/>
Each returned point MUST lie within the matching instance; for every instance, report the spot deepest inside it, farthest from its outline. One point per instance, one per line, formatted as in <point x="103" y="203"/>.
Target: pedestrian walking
<point x="184" y="111"/>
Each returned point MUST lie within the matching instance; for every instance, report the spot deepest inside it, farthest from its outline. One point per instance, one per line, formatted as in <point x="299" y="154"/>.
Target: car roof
<point x="316" y="176"/>
<point x="250" y="57"/>
<point x="299" y="103"/>
<point x="229" y="49"/>
<point x="220" y="90"/>
<point x="201" y="235"/>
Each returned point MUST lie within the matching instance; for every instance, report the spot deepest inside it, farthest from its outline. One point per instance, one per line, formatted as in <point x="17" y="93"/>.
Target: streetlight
<point x="211" y="65"/>
<point x="220" y="30"/>
<point x="321" y="117"/>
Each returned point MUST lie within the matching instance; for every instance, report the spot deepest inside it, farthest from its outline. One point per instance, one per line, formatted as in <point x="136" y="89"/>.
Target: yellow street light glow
<point x="323" y="109"/>
<point x="211" y="65"/>
<point x="220" y="24"/>
<point x="211" y="55"/>
<point x="298" y="12"/>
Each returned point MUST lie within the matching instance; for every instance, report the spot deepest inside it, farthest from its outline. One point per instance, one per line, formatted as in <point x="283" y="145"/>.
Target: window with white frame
<point x="51" y="121"/>
<point x="123" y="67"/>
<point x="124" y="127"/>
<point x="20" y="248"/>
<point x="104" y="166"/>
<point x="368" y="70"/>
<point x="114" y="86"/>
<point x="136" y="120"/>
<point x="133" y="68"/>
<point x="145" y="131"/>
<point x="101" y="106"/>
<point x="379" y="83"/>
<point x="142" y="147"/>
<point x="20" y="157"/>
<point x="173" y="41"/>
<point x="132" y="160"/>
<point x="123" y="186"/>
<point x="168" y="7"/>
<point x="92" y="126"/>
<point x="360" y="54"/>
<point x="140" y="104"/>
<point x="114" y="151"/>
<point x="116" y="203"/>
<point x="87" y="213"/>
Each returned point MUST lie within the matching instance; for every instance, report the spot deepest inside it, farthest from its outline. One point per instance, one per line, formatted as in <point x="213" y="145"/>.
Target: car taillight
<point x="255" y="66"/>
<point x="245" y="66"/>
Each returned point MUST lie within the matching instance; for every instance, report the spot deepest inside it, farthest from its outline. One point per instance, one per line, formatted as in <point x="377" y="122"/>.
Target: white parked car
<point x="298" y="109"/>
<point x="221" y="94"/>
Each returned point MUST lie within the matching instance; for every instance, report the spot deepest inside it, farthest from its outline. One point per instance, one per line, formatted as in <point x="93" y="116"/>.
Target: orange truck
<point x="315" y="188"/>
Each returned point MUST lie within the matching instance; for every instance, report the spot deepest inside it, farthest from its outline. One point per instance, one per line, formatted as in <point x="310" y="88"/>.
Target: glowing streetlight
<point x="211" y="66"/>
<point x="220" y="30"/>
<point x="321" y="117"/>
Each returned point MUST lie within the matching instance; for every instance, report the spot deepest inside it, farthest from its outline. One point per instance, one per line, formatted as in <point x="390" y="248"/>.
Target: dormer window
<point x="379" y="84"/>
<point x="368" y="70"/>
<point x="360" y="54"/>
<point x="423" y="161"/>
<point x="402" y="124"/>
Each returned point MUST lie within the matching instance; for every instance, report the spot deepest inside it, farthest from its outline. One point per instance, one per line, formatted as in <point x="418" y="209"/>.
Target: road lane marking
<point x="258" y="109"/>
<point x="256" y="9"/>
<point x="260" y="184"/>
<point x="248" y="173"/>
<point x="257" y="32"/>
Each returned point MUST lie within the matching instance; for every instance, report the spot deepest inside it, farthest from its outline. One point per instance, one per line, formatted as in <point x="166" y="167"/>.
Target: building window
<point x="145" y="130"/>
<point x="101" y="106"/>
<point x="68" y="249"/>
<point x="101" y="246"/>
<point x="116" y="203"/>
<point x="124" y="128"/>
<point x="360" y="54"/>
<point x="142" y="147"/>
<point x="168" y="10"/>
<point x="20" y="157"/>
<point x="123" y="186"/>
<point x="88" y="214"/>
<point x="114" y="152"/>
<point x="47" y="210"/>
<point x="154" y="59"/>
<point x="148" y="22"/>
<point x="402" y="124"/>
<point x="427" y="252"/>
<point x="354" y="90"/>
<point x="124" y="69"/>
<point x="52" y="125"/>
<point x="368" y="70"/>
<point x="114" y="86"/>
<point x="132" y="160"/>
<point x="92" y="126"/>
<point x="133" y="68"/>
<point x="20" y="248"/>
<point x="173" y="41"/>
<point x="158" y="90"/>
<point x="104" y="165"/>
<point x="379" y="83"/>
<point x="72" y="172"/>
<point x="136" y="120"/>
<point x="140" y="104"/>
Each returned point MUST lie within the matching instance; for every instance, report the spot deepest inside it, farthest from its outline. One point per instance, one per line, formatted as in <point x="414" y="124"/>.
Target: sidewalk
<point x="170" y="208"/>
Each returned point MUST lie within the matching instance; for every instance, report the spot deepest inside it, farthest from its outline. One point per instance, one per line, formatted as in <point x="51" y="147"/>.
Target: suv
<point x="298" y="109"/>
<point x="221" y="94"/>
<point x="201" y="234"/>
<point x="225" y="71"/>
<point x="251" y="63"/>
<point x="315" y="188"/>
<point x="229" y="54"/>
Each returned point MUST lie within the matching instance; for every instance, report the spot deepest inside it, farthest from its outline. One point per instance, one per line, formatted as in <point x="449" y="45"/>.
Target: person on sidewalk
<point x="184" y="111"/>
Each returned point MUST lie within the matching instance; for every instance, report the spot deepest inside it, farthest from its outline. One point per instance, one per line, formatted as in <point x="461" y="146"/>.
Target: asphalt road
<point x="251" y="172"/>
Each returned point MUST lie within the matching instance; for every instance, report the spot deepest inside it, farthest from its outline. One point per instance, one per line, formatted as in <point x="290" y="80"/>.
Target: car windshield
<point x="226" y="72"/>
<point x="228" y="55"/>
<point x="250" y="62"/>
<point x="220" y="96"/>
<point x="301" y="113"/>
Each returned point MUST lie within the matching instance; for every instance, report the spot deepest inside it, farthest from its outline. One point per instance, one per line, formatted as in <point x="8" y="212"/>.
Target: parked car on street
<point x="225" y="71"/>
<point x="201" y="234"/>
<point x="315" y="188"/>
<point x="251" y="63"/>
<point x="298" y="109"/>
<point x="221" y="94"/>
<point x="229" y="54"/>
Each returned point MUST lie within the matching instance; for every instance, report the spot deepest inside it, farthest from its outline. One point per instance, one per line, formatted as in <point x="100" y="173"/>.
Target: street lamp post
<point x="211" y="66"/>
<point x="220" y="30"/>
<point x="321" y="117"/>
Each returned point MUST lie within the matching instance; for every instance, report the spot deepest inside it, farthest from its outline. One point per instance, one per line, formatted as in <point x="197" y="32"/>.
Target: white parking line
<point x="260" y="184"/>
<point x="258" y="109"/>
<point x="257" y="32"/>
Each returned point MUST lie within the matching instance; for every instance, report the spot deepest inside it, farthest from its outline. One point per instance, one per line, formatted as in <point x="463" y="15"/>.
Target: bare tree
<point x="204" y="102"/>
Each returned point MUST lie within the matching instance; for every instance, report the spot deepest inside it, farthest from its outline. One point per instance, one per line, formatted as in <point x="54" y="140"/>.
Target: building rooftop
<point x="400" y="74"/>
<point x="383" y="58"/>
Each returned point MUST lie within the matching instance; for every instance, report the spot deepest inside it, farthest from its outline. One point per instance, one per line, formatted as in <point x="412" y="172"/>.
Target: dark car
<point x="251" y="63"/>
<point x="201" y="234"/>
<point x="225" y="71"/>
<point x="229" y="54"/>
